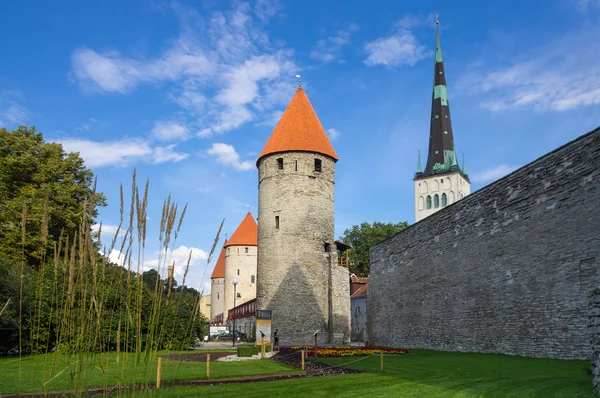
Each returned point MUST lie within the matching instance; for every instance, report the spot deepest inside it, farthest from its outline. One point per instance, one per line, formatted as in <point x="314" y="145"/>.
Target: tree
<point x="362" y="237"/>
<point x="36" y="175"/>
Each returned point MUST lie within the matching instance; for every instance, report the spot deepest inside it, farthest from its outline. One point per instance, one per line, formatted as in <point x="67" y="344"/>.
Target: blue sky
<point x="188" y="92"/>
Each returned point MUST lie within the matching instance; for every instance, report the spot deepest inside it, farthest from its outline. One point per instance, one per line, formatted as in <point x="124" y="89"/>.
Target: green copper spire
<point x="438" y="45"/>
<point x="419" y="169"/>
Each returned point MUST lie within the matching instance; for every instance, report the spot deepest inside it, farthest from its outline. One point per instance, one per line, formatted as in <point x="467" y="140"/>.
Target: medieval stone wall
<point x="594" y="330"/>
<point x="295" y="223"/>
<point x="506" y="269"/>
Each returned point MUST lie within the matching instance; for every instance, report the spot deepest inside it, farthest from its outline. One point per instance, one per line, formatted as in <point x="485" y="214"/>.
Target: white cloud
<point x="227" y="155"/>
<point x="330" y="49"/>
<point x="169" y="131"/>
<point x="11" y="111"/>
<point x="223" y="69"/>
<point x="493" y="174"/>
<point x="108" y="230"/>
<point x="178" y="256"/>
<point x="120" y="153"/>
<point x="562" y="75"/>
<point x="266" y="9"/>
<point x="585" y="5"/>
<point x="400" y="48"/>
<point x="333" y="134"/>
<point x="117" y="257"/>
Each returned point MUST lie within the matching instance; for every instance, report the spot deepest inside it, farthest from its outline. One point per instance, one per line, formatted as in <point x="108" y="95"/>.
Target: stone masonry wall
<point x="236" y="259"/>
<point x="594" y="330"/>
<point x="294" y="278"/>
<point x="506" y="269"/>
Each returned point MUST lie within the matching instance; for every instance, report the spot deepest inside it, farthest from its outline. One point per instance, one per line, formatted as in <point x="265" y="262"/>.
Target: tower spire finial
<point x="437" y="21"/>
<point x="299" y="77"/>
<point x="419" y="168"/>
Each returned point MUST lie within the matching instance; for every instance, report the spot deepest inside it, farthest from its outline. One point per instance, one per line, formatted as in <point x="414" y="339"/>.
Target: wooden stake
<point x="302" y="359"/>
<point x="208" y="366"/>
<point x="315" y="345"/>
<point x="262" y="348"/>
<point x="381" y="360"/>
<point x="158" y="373"/>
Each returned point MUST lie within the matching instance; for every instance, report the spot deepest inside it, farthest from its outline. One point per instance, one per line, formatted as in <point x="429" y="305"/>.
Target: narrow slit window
<point x="238" y="271"/>
<point x="327" y="247"/>
<point x="246" y="250"/>
<point x="276" y="222"/>
<point x="280" y="163"/>
<point x="317" y="164"/>
<point x="252" y="279"/>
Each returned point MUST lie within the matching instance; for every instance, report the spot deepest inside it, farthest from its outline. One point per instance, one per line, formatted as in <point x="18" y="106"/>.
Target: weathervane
<point x="299" y="80"/>
<point x="437" y="22"/>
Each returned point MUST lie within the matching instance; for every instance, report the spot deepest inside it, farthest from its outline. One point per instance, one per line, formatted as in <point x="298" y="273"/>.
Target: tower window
<point x="280" y="163"/>
<point x="428" y="202"/>
<point x="296" y="167"/>
<point x="218" y="296"/>
<point x="238" y="271"/>
<point x="444" y="200"/>
<point x="252" y="279"/>
<point x="276" y="222"/>
<point x="246" y="250"/>
<point x="327" y="247"/>
<point x="317" y="164"/>
<point x="436" y="201"/>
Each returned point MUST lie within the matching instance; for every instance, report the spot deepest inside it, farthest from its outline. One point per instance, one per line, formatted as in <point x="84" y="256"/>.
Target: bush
<point x="249" y="350"/>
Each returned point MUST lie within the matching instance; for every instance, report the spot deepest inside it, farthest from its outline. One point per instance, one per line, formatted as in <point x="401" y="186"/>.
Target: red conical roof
<point x="299" y="129"/>
<point x="219" y="271"/>
<point x="245" y="234"/>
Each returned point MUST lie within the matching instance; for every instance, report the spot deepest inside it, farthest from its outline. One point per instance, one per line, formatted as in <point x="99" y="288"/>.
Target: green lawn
<point x="424" y="374"/>
<point x="38" y="373"/>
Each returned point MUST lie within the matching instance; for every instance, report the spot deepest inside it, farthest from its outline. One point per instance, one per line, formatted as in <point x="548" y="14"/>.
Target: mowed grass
<point x="423" y="374"/>
<point x="53" y="372"/>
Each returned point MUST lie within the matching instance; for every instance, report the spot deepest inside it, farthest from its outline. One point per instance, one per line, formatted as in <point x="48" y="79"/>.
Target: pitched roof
<point x="299" y="129"/>
<point x="245" y="234"/>
<point x="219" y="271"/>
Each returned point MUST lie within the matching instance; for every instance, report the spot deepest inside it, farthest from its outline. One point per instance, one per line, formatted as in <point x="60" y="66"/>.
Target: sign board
<point x="263" y="324"/>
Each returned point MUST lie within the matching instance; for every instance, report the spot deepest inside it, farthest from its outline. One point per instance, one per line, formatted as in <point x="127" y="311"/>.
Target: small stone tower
<point x="240" y="264"/>
<point x="299" y="278"/>
<point x="442" y="182"/>
<point x="217" y="288"/>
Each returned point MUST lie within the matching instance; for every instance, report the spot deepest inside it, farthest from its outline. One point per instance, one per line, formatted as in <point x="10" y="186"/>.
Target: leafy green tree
<point x="362" y="237"/>
<point x="36" y="174"/>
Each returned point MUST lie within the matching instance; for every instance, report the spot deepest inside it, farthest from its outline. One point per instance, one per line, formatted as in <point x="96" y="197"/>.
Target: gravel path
<point x="313" y="369"/>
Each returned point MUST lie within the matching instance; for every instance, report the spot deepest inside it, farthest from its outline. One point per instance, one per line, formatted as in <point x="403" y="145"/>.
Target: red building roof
<point x="219" y="271"/>
<point x="299" y="129"/>
<point x="245" y="234"/>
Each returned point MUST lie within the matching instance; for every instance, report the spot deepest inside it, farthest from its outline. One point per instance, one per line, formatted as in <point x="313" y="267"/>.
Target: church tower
<point x="442" y="182"/>
<point x="299" y="278"/>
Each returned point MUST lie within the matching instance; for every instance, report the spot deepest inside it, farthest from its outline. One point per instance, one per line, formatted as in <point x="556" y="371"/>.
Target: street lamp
<point x="235" y="282"/>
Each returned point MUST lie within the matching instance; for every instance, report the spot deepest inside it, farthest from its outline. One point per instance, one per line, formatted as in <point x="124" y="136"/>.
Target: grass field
<point x="40" y="373"/>
<point x="424" y="374"/>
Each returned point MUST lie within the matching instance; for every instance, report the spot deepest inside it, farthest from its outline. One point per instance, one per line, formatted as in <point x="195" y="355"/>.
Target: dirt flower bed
<point x="331" y="351"/>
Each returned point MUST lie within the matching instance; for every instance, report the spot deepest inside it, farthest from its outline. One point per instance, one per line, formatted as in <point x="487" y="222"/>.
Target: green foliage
<point x="362" y="237"/>
<point x="249" y="350"/>
<point x="31" y="172"/>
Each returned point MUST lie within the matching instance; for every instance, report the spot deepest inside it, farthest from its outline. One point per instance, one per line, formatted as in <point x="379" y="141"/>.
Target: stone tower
<point x="217" y="288"/>
<point x="240" y="264"/>
<point x="299" y="278"/>
<point x="442" y="182"/>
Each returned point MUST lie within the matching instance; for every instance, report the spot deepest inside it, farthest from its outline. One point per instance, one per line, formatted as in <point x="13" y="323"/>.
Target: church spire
<point x="442" y="156"/>
<point x="419" y="168"/>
